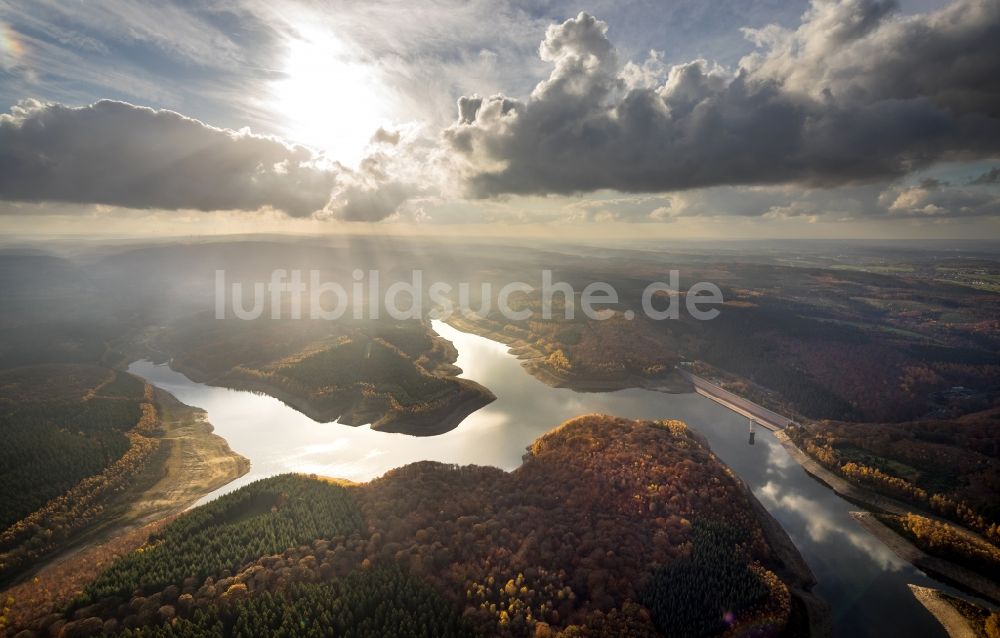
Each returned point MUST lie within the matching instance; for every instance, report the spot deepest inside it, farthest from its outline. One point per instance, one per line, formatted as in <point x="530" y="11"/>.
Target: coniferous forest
<point x="62" y="422"/>
<point x="90" y="442"/>
<point x="294" y="292"/>
<point x="610" y="527"/>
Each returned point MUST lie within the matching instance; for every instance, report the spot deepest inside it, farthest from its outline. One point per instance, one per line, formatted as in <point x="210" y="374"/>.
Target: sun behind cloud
<point x="328" y="98"/>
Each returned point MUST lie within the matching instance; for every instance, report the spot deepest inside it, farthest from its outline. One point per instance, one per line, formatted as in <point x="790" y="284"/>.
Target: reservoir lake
<point x="862" y="579"/>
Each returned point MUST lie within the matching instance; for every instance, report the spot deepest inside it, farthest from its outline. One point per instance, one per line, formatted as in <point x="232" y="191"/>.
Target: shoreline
<point x="192" y="461"/>
<point x="937" y="568"/>
<point x="841" y="486"/>
<point x="792" y="568"/>
<point x="808" y="611"/>
<point x="200" y="458"/>
<point x="954" y="623"/>
<point x="471" y="396"/>
<point x="794" y="571"/>
<point x="530" y="357"/>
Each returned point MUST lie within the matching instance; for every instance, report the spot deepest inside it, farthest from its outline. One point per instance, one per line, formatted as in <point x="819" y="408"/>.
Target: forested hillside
<point x="586" y="538"/>
<point x="73" y="436"/>
<point x="581" y="353"/>
<point x="398" y="376"/>
<point x="811" y="342"/>
<point x="63" y="423"/>
<point x="951" y="468"/>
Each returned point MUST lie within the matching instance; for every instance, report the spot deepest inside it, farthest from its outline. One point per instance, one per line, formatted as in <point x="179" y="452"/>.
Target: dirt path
<point x="953" y="622"/>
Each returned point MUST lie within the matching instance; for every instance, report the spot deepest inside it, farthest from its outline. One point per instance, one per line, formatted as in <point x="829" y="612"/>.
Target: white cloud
<point x="123" y="155"/>
<point x="846" y="96"/>
<point x="932" y="198"/>
<point x="854" y="94"/>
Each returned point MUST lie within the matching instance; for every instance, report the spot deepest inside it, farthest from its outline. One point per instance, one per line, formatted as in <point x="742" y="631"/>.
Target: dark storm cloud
<point x="854" y="94"/>
<point x="119" y="154"/>
<point x="374" y="191"/>
<point x="991" y="176"/>
<point x="370" y="202"/>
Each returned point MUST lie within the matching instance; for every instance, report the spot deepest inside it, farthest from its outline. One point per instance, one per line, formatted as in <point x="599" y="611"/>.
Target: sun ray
<point x="327" y="98"/>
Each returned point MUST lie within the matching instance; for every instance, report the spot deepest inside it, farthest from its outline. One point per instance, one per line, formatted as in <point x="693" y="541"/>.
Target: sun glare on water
<point x="327" y="100"/>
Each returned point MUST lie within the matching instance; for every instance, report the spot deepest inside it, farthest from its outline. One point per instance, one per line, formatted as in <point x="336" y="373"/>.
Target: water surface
<point x="862" y="579"/>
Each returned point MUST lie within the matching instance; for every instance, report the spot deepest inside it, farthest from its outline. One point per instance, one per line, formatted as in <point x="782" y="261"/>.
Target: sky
<point x="675" y="118"/>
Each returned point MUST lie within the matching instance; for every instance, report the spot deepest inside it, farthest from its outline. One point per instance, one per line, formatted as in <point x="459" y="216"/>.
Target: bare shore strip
<point x="191" y="461"/>
<point x="195" y="462"/>
<point x="531" y="358"/>
<point x="436" y="419"/>
<point x="841" y="486"/>
<point x="432" y="422"/>
<point x="793" y="570"/>
<point x="933" y="566"/>
<point x="954" y="623"/>
<point x="939" y="568"/>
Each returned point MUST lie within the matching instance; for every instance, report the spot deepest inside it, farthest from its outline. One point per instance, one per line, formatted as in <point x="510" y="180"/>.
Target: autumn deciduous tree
<point x="578" y="541"/>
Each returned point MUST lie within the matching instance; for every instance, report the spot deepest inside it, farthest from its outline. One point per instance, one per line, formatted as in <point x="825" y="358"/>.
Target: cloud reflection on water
<point x="858" y="575"/>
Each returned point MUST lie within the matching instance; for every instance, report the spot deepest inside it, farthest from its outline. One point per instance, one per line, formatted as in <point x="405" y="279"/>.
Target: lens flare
<point x="11" y="48"/>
